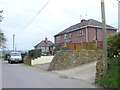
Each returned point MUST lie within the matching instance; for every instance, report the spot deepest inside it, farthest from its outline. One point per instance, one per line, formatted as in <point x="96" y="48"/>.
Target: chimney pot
<point x="83" y="20"/>
<point x="46" y="39"/>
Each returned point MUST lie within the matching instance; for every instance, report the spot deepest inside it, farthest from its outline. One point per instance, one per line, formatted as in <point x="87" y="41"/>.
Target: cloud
<point x="55" y="17"/>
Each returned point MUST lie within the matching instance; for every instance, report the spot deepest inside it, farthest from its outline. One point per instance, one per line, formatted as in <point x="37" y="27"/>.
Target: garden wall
<point x="42" y="60"/>
<point x="69" y="59"/>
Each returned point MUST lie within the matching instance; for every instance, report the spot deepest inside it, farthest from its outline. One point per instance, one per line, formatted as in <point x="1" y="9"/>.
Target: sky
<point x="33" y="20"/>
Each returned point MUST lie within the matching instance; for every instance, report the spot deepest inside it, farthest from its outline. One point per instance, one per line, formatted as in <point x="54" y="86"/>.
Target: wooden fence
<point x="85" y="45"/>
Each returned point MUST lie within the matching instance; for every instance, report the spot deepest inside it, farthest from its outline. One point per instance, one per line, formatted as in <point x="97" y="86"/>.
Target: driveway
<point x="85" y="72"/>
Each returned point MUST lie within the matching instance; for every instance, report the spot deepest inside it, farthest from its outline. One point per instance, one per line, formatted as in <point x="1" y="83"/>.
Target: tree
<point x="2" y="40"/>
<point x="2" y="37"/>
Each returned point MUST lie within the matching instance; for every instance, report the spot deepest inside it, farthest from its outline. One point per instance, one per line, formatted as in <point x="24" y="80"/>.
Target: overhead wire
<point x="24" y="28"/>
<point x="36" y="14"/>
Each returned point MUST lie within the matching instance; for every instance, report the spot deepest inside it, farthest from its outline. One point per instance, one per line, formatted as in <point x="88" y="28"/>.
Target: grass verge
<point x="112" y="79"/>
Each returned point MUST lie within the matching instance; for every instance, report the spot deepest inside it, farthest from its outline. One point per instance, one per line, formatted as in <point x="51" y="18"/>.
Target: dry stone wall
<point x="69" y="59"/>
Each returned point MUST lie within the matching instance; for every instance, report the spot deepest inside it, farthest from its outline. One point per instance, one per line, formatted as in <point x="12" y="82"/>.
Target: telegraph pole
<point x="104" y="37"/>
<point x="13" y="42"/>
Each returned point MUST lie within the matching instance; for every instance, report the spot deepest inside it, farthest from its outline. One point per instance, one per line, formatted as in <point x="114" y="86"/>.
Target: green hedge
<point x="31" y="55"/>
<point x="34" y="53"/>
<point x="23" y="54"/>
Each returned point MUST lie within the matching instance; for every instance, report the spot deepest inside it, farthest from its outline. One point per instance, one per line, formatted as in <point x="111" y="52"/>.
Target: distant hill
<point x="2" y="53"/>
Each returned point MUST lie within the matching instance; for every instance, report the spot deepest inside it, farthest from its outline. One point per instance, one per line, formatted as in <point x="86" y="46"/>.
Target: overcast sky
<point x="55" y="17"/>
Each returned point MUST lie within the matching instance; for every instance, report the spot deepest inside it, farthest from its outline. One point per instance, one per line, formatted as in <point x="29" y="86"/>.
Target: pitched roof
<point x="84" y="24"/>
<point x="44" y="43"/>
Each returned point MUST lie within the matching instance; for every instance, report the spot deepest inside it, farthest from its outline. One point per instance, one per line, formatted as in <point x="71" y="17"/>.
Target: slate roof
<point x="84" y="24"/>
<point x="43" y="44"/>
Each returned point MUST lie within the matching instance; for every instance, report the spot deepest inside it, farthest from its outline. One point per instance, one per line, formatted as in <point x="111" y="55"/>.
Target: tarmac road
<point x="23" y="76"/>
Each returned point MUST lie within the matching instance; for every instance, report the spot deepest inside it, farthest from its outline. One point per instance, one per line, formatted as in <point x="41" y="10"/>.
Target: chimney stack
<point x="46" y="39"/>
<point x="83" y="20"/>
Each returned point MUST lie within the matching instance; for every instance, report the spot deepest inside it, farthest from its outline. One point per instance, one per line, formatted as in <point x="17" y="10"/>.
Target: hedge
<point x="34" y="53"/>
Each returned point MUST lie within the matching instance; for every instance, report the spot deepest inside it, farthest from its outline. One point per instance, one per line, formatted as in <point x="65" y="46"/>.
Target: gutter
<point x="100" y="27"/>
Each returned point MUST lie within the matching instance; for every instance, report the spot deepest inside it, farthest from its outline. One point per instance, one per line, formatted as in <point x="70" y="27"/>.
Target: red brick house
<point x="45" y="45"/>
<point x="86" y="31"/>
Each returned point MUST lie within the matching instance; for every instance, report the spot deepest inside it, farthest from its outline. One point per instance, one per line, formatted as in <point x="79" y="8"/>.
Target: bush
<point x="6" y="57"/>
<point x="31" y="55"/>
<point x="27" y="60"/>
<point x="113" y="43"/>
<point x="57" y="48"/>
<point x="23" y="54"/>
<point x="64" y="48"/>
<point x="34" y="53"/>
<point x="111" y="80"/>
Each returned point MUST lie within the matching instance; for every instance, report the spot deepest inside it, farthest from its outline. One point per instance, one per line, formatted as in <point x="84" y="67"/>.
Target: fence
<point x="85" y="45"/>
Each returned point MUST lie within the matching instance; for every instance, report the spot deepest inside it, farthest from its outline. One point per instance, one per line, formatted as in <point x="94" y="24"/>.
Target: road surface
<point x="23" y="76"/>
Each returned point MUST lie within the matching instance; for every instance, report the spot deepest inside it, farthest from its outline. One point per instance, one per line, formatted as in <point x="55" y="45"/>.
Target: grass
<point x="27" y="61"/>
<point x="112" y="79"/>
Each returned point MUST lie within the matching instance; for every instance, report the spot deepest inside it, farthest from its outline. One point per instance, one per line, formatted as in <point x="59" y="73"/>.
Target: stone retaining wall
<point x="69" y="59"/>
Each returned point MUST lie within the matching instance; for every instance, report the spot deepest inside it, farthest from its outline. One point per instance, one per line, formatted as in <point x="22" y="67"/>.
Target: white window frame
<point x="78" y="33"/>
<point x="82" y="32"/>
<point x="65" y="36"/>
<point x="70" y="35"/>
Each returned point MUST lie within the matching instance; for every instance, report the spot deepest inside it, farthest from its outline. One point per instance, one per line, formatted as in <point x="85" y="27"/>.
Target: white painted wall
<point x="42" y="60"/>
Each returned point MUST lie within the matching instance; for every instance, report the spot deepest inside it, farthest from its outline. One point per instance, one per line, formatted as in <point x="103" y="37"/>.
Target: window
<point x="70" y="35"/>
<point x="78" y="33"/>
<point x="65" y="36"/>
<point x="82" y="32"/>
<point x="58" y="38"/>
<point x="15" y="54"/>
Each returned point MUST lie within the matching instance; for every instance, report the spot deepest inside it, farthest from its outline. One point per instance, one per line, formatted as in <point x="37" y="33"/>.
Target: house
<point x="45" y="45"/>
<point x="86" y="31"/>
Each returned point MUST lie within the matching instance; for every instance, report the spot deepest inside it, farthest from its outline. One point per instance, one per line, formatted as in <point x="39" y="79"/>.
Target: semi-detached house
<point x="86" y="31"/>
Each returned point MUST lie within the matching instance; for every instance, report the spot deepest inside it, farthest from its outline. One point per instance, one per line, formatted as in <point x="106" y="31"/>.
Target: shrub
<point x="34" y="53"/>
<point x="23" y="54"/>
<point x="113" y="43"/>
<point x="27" y="60"/>
<point x="64" y="48"/>
<point x="57" y="48"/>
<point x="6" y="57"/>
<point x="31" y="55"/>
<point x="111" y="80"/>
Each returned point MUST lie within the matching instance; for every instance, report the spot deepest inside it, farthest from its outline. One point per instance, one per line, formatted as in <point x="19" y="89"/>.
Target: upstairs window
<point x="58" y="38"/>
<point x="65" y="36"/>
<point x="70" y="35"/>
<point x="80" y="33"/>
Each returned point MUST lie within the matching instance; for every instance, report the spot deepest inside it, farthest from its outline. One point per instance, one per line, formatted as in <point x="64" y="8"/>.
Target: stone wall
<point x="69" y="59"/>
<point x="101" y="67"/>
